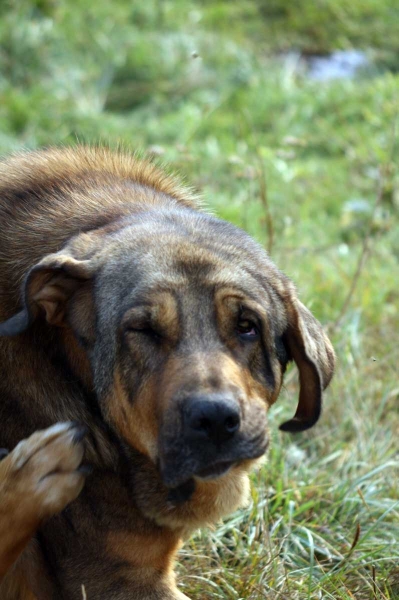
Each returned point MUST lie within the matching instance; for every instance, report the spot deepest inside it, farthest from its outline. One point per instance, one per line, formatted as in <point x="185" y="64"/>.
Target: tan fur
<point x="150" y="551"/>
<point x="139" y="428"/>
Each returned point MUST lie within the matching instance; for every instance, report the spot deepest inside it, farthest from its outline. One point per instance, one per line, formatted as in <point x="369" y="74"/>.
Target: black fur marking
<point x="282" y="351"/>
<point x="268" y="372"/>
<point x="51" y="565"/>
<point x="182" y="493"/>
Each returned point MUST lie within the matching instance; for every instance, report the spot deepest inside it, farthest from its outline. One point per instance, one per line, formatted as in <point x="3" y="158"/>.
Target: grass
<point x="309" y="169"/>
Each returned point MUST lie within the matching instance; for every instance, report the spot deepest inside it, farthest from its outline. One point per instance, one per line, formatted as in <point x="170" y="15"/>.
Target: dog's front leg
<point x="37" y="480"/>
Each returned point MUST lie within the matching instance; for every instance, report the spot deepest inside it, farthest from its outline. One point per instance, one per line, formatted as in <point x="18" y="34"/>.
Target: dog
<point x="145" y="339"/>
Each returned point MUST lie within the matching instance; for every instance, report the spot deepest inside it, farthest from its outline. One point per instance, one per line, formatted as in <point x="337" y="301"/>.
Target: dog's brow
<point x="137" y="310"/>
<point x="240" y="293"/>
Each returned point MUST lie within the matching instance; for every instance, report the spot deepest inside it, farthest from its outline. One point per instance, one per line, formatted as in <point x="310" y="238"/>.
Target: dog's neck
<point x="103" y="542"/>
<point x="112" y="540"/>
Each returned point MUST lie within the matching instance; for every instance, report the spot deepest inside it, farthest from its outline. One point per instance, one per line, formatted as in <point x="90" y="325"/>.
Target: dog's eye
<point x="144" y="330"/>
<point x="247" y="330"/>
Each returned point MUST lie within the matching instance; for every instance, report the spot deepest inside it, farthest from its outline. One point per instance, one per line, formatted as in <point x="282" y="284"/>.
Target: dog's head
<point x="188" y="328"/>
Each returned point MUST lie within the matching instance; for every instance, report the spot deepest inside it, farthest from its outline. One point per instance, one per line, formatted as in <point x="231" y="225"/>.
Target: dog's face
<point x="188" y="328"/>
<point x="197" y="360"/>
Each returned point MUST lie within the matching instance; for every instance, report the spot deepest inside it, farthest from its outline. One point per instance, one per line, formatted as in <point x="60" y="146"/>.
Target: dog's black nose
<point x="216" y="419"/>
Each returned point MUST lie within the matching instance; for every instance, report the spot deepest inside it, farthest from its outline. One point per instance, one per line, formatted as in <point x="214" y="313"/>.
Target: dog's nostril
<point x="231" y="424"/>
<point x="202" y="424"/>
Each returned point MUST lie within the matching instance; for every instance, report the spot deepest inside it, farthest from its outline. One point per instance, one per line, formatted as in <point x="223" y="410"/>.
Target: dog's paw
<point x="43" y="474"/>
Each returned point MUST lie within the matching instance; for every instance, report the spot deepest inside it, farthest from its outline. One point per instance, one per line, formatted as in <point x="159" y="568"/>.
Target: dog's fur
<point x="127" y="308"/>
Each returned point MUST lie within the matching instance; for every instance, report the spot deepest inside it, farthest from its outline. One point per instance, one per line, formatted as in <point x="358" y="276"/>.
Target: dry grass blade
<point x="364" y="253"/>
<point x="265" y="205"/>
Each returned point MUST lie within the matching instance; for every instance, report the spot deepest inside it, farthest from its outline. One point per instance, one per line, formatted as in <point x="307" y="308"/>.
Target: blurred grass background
<point x="223" y="92"/>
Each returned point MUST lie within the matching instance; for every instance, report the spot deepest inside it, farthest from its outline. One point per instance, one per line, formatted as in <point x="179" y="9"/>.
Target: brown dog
<point x="163" y="330"/>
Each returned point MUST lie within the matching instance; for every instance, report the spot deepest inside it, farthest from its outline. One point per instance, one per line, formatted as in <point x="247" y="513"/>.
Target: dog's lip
<point x="174" y="471"/>
<point x="215" y="470"/>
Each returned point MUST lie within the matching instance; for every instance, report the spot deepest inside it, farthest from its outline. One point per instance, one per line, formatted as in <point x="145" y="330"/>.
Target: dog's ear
<point x="314" y="356"/>
<point x="46" y="289"/>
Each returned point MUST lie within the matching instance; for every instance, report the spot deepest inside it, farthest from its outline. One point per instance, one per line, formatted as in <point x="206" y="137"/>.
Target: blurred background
<point x="284" y="115"/>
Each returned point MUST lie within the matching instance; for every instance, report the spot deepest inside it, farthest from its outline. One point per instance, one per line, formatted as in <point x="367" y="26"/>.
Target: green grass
<point x="309" y="169"/>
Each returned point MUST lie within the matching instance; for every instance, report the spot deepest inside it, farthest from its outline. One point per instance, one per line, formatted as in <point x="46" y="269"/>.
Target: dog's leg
<point x="37" y="479"/>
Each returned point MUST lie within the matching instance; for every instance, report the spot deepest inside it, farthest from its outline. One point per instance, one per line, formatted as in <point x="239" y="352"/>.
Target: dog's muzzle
<point x="208" y="439"/>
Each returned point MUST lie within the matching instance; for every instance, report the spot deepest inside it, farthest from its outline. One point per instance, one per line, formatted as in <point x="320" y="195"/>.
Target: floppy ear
<point x="314" y="356"/>
<point x="47" y="288"/>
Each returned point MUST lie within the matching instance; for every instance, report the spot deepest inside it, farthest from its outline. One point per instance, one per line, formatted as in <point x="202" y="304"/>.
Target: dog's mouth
<point x="180" y="468"/>
<point x="173" y="479"/>
<point x="214" y="471"/>
<point x="183" y="492"/>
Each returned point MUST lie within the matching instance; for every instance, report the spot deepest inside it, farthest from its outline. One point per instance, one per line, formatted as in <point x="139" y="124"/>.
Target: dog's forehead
<point x="178" y="254"/>
<point x="185" y="244"/>
<point x="179" y="264"/>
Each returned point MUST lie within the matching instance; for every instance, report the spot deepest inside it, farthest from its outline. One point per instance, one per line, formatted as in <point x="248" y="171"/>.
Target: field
<point x="220" y="91"/>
